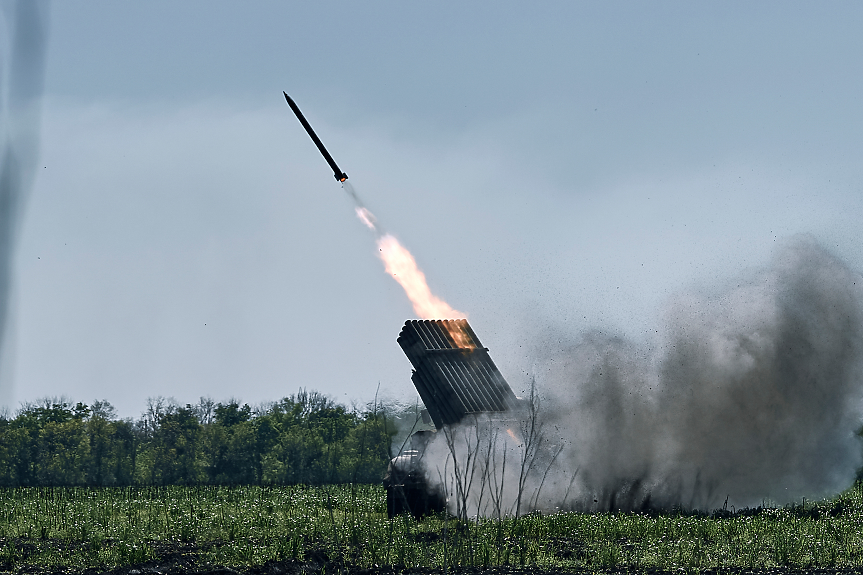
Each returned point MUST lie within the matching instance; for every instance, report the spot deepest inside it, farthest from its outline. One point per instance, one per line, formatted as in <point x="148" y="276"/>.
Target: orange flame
<point x="399" y="263"/>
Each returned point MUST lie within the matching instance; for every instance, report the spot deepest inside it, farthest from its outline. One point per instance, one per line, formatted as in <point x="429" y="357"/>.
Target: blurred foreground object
<point x="22" y="64"/>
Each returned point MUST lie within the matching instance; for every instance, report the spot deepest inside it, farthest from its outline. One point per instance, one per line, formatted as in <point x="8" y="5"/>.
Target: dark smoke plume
<point x="750" y="393"/>
<point x="21" y="78"/>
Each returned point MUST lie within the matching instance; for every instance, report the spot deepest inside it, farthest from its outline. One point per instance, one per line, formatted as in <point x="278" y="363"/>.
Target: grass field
<point x="194" y="527"/>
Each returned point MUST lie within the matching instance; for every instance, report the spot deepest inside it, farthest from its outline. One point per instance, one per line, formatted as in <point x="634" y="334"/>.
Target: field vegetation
<point x="345" y="528"/>
<point x="294" y="486"/>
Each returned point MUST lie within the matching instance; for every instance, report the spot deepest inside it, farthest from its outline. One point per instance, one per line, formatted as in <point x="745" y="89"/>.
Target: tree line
<point x="304" y="438"/>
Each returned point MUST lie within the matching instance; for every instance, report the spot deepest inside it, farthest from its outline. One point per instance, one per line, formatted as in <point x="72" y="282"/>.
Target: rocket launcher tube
<point x="339" y="175"/>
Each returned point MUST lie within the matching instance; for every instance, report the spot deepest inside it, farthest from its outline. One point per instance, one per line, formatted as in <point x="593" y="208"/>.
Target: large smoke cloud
<point x="748" y="393"/>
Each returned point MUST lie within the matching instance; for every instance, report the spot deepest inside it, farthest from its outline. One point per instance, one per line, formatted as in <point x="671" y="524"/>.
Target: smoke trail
<point x="21" y="76"/>
<point x="400" y="264"/>
<point x="752" y="393"/>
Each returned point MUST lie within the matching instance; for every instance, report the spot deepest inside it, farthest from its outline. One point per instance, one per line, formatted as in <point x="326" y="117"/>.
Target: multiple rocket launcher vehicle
<point x="453" y="374"/>
<point x="456" y="378"/>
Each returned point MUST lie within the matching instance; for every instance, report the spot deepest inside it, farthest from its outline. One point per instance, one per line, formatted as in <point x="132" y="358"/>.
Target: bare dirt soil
<point x="176" y="558"/>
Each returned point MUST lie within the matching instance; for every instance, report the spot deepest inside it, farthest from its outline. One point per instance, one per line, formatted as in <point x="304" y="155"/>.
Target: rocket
<point x="339" y="175"/>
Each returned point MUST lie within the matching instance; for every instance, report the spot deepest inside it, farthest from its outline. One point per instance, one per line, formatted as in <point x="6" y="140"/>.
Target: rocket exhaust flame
<point x="400" y="264"/>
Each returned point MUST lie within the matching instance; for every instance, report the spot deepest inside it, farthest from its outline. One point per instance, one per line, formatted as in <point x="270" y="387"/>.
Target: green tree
<point x="230" y="444"/>
<point x="304" y="438"/>
<point x="175" y="448"/>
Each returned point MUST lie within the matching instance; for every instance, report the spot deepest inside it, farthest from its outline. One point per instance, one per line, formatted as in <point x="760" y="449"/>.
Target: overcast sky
<point x="554" y="168"/>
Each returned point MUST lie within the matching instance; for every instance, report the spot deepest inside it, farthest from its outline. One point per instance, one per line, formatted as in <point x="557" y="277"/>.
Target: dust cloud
<point x="746" y="394"/>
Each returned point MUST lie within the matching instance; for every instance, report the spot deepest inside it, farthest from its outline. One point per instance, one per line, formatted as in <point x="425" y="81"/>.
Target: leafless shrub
<point x="476" y="454"/>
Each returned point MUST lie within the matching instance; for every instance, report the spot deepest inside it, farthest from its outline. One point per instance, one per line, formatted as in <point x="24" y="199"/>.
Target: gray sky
<point x="553" y="168"/>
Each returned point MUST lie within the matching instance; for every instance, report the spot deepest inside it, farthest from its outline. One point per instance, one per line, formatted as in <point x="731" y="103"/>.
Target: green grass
<point x="79" y="528"/>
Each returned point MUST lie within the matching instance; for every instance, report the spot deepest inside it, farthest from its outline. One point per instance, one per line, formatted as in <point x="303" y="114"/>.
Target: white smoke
<point x="748" y="394"/>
